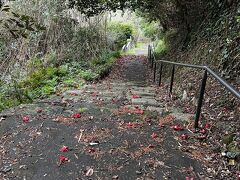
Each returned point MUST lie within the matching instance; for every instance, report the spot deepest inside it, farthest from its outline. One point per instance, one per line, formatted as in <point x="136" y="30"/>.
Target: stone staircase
<point x="129" y="93"/>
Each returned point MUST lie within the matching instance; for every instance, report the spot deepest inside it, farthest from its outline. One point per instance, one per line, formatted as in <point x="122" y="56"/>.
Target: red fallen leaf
<point x="76" y="116"/>
<point x="188" y="178"/>
<point x="91" y="150"/>
<point x="136" y="96"/>
<point x="39" y="111"/>
<point x="154" y="135"/>
<point x="137" y="111"/>
<point x="94" y="94"/>
<point x="64" y="149"/>
<point x="225" y="110"/>
<point x="184" y="137"/>
<point x="148" y="120"/>
<point x="25" y="119"/>
<point x="130" y="125"/>
<point x="202" y="131"/>
<point x="73" y="94"/>
<point x="177" y="128"/>
<point x="151" y="146"/>
<point x="161" y="125"/>
<point x="203" y="137"/>
<point x="207" y="126"/>
<point x="63" y="159"/>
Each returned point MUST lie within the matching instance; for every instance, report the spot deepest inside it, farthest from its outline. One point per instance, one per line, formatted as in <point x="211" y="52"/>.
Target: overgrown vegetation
<point x="45" y="81"/>
<point x="151" y="29"/>
<point x="120" y="32"/>
<point x="53" y="48"/>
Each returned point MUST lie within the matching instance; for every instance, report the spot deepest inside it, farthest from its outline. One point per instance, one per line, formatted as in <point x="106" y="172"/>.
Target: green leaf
<point x="15" y="14"/>
<point x="40" y="28"/>
<point x="25" y="18"/>
<point x="6" y="25"/>
<point x="30" y="28"/>
<point x="24" y="35"/>
<point x="5" y="8"/>
<point x="16" y="36"/>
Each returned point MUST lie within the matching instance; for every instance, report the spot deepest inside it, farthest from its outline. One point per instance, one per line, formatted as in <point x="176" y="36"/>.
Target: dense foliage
<point x="46" y="48"/>
<point x="120" y="32"/>
<point x="171" y="13"/>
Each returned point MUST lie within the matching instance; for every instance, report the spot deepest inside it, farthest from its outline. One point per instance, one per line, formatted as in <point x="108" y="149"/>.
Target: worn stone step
<point x="142" y="93"/>
<point x="159" y="110"/>
<point x="145" y="102"/>
<point x="141" y="89"/>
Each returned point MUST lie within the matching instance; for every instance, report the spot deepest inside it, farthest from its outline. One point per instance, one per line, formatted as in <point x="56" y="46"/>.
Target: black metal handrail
<point x="207" y="70"/>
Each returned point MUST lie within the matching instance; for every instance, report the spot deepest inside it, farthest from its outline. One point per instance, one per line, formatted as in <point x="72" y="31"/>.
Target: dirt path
<point x="123" y="133"/>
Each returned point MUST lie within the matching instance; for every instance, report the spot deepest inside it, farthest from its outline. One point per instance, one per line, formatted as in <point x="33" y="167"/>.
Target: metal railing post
<point x="154" y="71"/>
<point x="200" y="101"/>
<point x="149" y="54"/>
<point x="152" y="62"/>
<point x="160" y="74"/>
<point x="172" y="79"/>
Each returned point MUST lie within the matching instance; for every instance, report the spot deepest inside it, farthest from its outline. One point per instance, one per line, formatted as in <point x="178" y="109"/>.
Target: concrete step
<point x="159" y="110"/>
<point x="145" y="102"/>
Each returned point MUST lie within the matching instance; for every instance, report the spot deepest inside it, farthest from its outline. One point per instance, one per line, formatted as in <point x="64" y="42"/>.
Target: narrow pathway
<point x="115" y="129"/>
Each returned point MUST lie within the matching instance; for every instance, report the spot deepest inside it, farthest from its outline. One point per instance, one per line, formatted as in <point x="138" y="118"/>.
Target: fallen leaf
<point x="136" y="96"/>
<point x="154" y="135"/>
<point x="151" y="146"/>
<point x="39" y="111"/>
<point x="25" y="119"/>
<point x="202" y="137"/>
<point x="76" y="116"/>
<point x="73" y="94"/>
<point x="64" y="149"/>
<point x="166" y="120"/>
<point x="202" y="131"/>
<point x="91" y="150"/>
<point x="130" y="125"/>
<point x="138" y="111"/>
<point x="148" y="120"/>
<point x="94" y="94"/>
<point x="184" y="137"/>
<point x="207" y="126"/>
<point x="63" y="159"/>
<point x="177" y="128"/>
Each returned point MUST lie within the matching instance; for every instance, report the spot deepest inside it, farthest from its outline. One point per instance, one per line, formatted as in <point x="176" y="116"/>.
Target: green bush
<point x="3" y="50"/>
<point x="47" y="90"/>
<point x="120" y="32"/>
<point x="88" y="75"/>
<point x="161" y="48"/>
<point x="98" y="61"/>
<point x="45" y="81"/>
<point x="114" y="54"/>
<point x="150" y="29"/>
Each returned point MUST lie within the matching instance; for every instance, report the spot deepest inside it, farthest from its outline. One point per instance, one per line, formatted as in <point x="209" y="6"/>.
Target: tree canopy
<point x="171" y="13"/>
